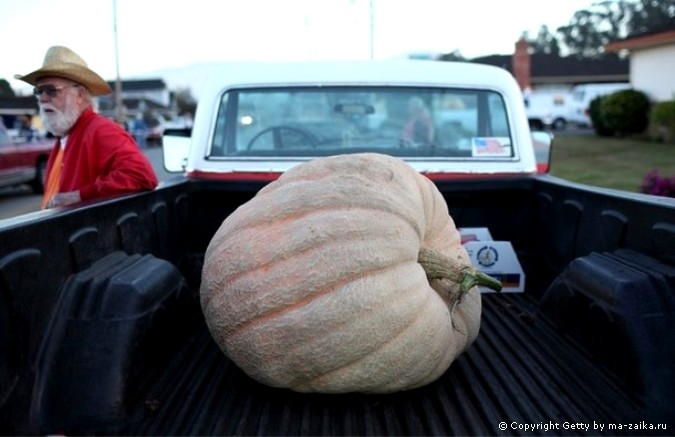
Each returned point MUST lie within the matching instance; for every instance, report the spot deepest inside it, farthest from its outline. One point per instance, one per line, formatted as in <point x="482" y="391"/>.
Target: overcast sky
<point x="157" y="34"/>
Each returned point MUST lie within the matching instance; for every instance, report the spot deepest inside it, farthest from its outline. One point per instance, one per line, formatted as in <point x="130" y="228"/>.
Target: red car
<point x="23" y="163"/>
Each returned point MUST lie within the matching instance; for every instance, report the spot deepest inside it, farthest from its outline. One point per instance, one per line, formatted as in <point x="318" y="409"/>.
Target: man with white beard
<point x="93" y="156"/>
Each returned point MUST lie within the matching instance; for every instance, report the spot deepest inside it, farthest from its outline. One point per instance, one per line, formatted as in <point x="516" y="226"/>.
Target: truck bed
<point x="104" y="334"/>
<point x="519" y="371"/>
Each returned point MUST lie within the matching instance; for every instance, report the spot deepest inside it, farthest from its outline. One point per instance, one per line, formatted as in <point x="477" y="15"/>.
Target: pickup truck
<point x="23" y="162"/>
<point x="102" y="331"/>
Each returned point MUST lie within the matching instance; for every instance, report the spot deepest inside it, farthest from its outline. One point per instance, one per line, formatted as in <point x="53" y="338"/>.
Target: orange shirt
<point x="53" y="177"/>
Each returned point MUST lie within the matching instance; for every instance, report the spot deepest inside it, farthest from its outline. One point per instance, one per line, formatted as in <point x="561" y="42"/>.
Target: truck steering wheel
<point x="278" y="139"/>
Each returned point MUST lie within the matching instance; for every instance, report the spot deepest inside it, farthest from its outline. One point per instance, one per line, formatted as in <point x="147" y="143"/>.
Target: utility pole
<point x="119" y="109"/>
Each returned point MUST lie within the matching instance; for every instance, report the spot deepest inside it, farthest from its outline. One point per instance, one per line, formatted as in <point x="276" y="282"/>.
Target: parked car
<point x="155" y="123"/>
<point x="23" y="162"/>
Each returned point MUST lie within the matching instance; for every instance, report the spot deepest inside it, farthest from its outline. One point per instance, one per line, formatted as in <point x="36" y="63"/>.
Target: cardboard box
<point x="494" y="258"/>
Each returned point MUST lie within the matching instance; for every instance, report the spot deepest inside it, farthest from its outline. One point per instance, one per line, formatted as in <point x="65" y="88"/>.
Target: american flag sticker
<point x="489" y="146"/>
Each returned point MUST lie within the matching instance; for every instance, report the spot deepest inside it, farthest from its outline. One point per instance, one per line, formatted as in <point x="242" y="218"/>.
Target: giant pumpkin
<point x="346" y="274"/>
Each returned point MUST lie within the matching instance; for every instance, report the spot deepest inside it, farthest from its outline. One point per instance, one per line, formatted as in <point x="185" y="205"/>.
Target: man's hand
<point x="62" y="199"/>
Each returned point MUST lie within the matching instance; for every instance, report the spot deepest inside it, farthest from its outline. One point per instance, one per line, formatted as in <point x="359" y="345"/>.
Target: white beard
<point x="59" y="122"/>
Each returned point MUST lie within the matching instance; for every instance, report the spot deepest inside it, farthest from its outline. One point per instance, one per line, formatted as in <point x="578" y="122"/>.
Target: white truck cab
<point x="258" y="119"/>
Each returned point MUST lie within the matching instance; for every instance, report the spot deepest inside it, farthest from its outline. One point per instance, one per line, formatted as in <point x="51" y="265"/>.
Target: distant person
<point x="188" y="120"/>
<point x="139" y="129"/>
<point x="419" y="128"/>
<point x="93" y="157"/>
<point x="25" y="127"/>
<point x="36" y="124"/>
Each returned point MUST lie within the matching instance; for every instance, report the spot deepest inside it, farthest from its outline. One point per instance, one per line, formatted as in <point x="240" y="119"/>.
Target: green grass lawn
<point x="610" y="162"/>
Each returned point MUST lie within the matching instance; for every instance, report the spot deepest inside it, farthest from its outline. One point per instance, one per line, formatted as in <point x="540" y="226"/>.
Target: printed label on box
<point x="499" y="260"/>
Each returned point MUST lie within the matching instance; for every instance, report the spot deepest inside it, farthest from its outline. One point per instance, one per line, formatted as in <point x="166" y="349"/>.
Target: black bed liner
<point x="127" y="352"/>
<point x="519" y="371"/>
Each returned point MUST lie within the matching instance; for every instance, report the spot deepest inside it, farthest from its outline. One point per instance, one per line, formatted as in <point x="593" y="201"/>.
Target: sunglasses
<point x="51" y="90"/>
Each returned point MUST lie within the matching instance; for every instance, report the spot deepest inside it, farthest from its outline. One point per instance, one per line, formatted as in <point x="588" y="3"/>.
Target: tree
<point x="591" y="29"/>
<point x="452" y="56"/>
<point x="184" y="101"/>
<point x="648" y="15"/>
<point x="545" y="42"/>
<point x="6" y="89"/>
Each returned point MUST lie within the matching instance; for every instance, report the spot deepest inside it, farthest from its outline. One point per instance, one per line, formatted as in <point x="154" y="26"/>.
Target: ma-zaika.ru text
<point x="547" y="426"/>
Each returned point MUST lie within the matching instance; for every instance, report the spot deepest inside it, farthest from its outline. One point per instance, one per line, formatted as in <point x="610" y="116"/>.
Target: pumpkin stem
<point x="439" y="266"/>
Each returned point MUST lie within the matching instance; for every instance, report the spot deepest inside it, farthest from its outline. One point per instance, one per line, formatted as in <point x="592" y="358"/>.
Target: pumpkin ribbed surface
<point x="315" y="285"/>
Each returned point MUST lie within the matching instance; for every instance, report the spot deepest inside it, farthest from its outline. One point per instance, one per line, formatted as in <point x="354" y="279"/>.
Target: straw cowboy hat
<point x="63" y="62"/>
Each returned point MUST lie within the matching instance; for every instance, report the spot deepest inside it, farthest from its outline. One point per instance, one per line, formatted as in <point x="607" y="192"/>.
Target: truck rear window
<point x="400" y="121"/>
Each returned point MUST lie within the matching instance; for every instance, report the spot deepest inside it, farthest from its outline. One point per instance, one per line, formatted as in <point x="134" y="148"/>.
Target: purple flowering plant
<point x="653" y="183"/>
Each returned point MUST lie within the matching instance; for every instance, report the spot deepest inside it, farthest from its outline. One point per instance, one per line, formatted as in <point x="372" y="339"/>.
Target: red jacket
<point x="101" y="159"/>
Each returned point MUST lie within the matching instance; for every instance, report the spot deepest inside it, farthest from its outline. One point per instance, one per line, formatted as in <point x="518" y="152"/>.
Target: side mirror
<point x="175" y="152"/>
<point x="542" y="142"/>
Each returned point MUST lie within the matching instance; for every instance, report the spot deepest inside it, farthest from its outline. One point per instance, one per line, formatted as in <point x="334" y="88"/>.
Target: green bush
<point x="625" y="112"/>
<point x="662" y="119"/>
<point x="598" y="124"/>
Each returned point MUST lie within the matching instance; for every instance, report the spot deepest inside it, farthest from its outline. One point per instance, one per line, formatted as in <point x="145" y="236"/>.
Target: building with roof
<point x="544" y="72"/>
<point x="651" y="60"/>
<point x="140" y="96"/>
